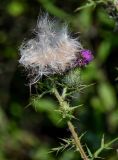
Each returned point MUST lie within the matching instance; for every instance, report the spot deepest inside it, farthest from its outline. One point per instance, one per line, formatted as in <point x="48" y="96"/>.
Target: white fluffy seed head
<point x="52" y="50"/>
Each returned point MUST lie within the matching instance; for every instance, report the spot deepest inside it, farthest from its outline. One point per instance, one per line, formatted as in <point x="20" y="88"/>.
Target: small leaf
<point x="89" y="152"/>
<point x="75" y="107"/>
<point x="106" y="146"/>
<point x="82" y="135"/>
<point x="111" y="142"/>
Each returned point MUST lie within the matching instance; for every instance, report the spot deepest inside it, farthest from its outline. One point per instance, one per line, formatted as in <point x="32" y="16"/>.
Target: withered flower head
<point x="52" y="50"/>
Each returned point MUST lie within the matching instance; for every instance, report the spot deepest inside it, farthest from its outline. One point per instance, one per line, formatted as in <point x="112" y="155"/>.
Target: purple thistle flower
<point x="85" y="57"/>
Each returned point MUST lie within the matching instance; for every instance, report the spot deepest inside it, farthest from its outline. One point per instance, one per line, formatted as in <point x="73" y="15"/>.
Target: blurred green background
<point x="28" y="133"/>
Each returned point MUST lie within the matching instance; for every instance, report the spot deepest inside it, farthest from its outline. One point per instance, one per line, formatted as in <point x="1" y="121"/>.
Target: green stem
<point x="71" y="127"/>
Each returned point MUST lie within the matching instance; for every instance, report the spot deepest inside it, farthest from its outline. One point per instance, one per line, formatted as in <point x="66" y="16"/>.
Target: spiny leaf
<point x="65" y="140"/>
<point x="111" y="142"/>
<point x="89" y="152"/>
<point x="104" y="146"/>
<point x="82" y="135"/>
<point x="68" y="144"/>
<point x="71" y="147"/>
<point x="75" y="107"/>
<point x="79" y="89"/>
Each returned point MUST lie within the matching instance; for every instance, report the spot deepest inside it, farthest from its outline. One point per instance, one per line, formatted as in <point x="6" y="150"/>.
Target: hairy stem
<point x="77" y="142"/>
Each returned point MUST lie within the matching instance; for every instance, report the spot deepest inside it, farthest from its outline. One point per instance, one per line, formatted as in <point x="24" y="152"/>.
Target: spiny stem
<point x="71" y="127"/>
<point x="60" y="99"/>
<point x="77" y="141"/>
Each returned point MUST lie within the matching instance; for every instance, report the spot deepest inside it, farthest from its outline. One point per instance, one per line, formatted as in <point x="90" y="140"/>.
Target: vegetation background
<point x="28" y="133"/>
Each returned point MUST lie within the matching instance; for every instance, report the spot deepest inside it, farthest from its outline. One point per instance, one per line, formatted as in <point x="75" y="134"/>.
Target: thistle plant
<point x="54" y="61"/>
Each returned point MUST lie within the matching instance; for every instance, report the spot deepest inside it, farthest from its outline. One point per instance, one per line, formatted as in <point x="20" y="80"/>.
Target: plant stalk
<point x="77" y="141"/>
<point x="71" y="127"/>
